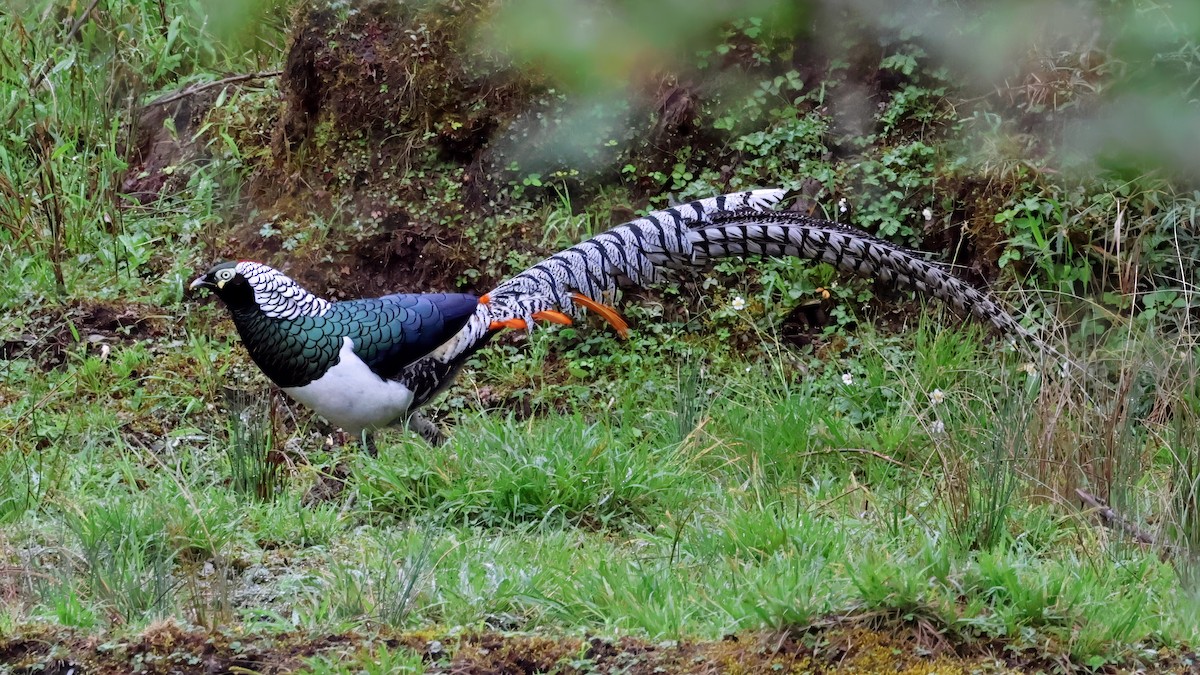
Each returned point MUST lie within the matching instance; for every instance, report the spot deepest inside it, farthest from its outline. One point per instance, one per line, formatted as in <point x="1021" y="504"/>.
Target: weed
<point x="982" y="473"/>
<point x="381" y="589"/>
<point x="379" y="660"/>
<point x="127" y="557"/>
<point x="24" y="480"/>
<point x="255" y="467"/>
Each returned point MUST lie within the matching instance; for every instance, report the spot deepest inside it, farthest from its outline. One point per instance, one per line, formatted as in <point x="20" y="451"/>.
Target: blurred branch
<point x="75" y="26"/>
<point x="862" y="451"/>
<point x="197" y="88"/>
<point x="1114" y="520"/>
<point x="87" y="13"/>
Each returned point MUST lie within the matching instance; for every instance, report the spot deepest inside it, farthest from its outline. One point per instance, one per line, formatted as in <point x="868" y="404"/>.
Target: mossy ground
<point x="840" y="647"/>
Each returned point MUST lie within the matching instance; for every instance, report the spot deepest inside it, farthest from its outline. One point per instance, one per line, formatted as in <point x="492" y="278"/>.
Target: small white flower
<point x="847" y="379"/>
<point x="937" y="396"/>
<point x="738" y="303"/>
<point x="938" y="427"/>
<point x="842" y="206"/>
<point x="927" y="214"/>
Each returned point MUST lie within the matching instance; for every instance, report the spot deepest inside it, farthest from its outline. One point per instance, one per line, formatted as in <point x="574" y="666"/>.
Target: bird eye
<point x="225" y="274"/>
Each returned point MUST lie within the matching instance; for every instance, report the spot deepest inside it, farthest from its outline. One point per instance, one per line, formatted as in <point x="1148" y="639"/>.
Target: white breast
<point x="352" y="397"/>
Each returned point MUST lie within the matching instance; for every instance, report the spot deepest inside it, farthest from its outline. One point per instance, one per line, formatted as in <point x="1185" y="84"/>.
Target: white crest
<point x="277" y="295"/>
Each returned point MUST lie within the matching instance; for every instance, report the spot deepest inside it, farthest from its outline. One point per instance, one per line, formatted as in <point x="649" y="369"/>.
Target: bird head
<point x="228" y="282"/>
<point x="245" y="285"/>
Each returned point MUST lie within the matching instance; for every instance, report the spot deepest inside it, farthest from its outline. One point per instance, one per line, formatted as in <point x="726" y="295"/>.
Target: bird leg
<point x="367" y="438"/>
<point x="425" y="429"/>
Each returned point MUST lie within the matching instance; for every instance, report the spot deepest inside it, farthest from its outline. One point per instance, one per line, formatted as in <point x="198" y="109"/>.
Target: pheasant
<point x="372" y="363"/>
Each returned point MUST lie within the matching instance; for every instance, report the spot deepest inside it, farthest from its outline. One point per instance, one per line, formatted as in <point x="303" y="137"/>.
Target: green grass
<point x="790" y="497"/>
<point x="672" y="502"/>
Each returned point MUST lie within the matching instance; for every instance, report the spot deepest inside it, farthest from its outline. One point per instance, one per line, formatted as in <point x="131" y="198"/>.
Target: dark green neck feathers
<point x="292" y="352"/>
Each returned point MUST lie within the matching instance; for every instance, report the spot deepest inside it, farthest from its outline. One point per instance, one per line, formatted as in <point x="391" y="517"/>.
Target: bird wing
<point x="393" y="331"/>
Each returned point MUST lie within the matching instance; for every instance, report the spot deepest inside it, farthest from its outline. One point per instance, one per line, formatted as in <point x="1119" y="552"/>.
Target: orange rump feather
<point x="552" y="316"/>
<point x="609" y="314"/>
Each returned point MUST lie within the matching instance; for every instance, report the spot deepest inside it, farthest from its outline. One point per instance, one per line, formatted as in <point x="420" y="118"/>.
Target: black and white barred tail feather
<point x="633" y="253"/>
<point x="695" y="234"/>
<point x="788" y="234"/>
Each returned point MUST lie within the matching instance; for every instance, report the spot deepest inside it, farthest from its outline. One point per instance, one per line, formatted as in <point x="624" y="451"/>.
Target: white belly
<point x="352" y="397"/>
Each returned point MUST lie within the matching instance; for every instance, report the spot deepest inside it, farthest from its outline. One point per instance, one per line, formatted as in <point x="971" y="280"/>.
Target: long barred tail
<point x="786" y="234"/>
<point x="692" y="235"/>
<point x="633" y="253"/>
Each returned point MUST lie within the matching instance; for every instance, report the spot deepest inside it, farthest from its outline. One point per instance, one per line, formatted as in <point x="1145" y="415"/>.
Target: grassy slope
<point x="667" y="488"/>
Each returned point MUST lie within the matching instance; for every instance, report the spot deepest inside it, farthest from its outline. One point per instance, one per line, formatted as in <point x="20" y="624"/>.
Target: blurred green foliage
<point x="606" y="46"/>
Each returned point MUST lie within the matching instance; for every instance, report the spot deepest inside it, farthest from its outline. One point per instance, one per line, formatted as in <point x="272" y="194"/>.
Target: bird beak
<point x="199" y="282"/>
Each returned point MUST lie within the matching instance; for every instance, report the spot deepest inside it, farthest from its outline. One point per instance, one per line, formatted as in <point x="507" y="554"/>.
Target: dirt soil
<point x="836" y="646"/>
<point x="49" y="333"/>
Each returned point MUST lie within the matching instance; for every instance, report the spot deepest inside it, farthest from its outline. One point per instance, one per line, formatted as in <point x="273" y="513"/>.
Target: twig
<point x="197" y="88"/>
<point x="861" y="451"/>
<point x="87" y="13"/>
<point x="14" y="570"/>
<point x="1114" y="520"/>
